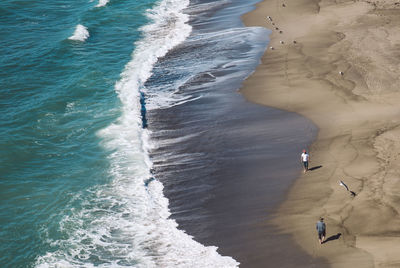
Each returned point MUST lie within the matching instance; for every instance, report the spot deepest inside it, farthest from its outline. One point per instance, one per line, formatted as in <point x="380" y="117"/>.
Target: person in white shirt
<point x="305" y="158"/>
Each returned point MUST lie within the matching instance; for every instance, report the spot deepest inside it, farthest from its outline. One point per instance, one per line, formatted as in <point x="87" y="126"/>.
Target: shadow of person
<point x="333" y="237"/>
<point x="353" y="193"/>
<point x="314" y="168"/>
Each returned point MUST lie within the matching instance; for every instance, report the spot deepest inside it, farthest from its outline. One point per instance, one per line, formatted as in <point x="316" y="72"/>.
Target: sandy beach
<point x="337" y="63"/>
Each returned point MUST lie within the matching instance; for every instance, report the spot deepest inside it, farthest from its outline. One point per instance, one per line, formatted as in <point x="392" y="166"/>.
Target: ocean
<point x="123" y="132"/>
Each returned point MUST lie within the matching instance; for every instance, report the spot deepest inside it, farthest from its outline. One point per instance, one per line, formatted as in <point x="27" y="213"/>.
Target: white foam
<point x="198" y="74"/>
<point x="166" y="99"/>
<point x="199" y="8"/>
<point x="102" y="3"/>
<point x="126" y="222"/>
<point x="81" y="33"/>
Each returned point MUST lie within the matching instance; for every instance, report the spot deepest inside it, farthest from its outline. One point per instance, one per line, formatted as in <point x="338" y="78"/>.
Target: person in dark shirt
<point x="321" y="229"/>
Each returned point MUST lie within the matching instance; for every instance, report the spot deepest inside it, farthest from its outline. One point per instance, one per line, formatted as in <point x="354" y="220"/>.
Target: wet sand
<point x="225" y="195"/>
<point x="338" y="65"/>
<point x="226" y="163"/>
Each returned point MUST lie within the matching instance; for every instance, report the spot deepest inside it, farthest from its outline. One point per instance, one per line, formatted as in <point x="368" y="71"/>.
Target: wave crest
<point x="81" y="33"/>
<point x="102" y="3"/>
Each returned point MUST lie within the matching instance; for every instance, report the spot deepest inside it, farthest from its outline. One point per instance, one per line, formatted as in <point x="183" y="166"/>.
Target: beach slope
<point x="337" y="63"/>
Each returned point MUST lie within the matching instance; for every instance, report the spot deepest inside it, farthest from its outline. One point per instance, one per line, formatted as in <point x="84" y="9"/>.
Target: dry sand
<point x="358" y="115"/>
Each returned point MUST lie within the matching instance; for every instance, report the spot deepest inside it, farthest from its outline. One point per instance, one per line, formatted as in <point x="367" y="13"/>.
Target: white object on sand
<point x="341" y="183"/>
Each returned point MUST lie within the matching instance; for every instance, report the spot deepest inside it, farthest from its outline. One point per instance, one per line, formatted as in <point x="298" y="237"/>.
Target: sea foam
<point x="127" y="221"/>
<point x="102" y="3"/>
<point x="81" y="33"/>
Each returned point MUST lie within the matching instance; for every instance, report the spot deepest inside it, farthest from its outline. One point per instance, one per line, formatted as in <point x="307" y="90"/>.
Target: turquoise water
<point x="55" y="95"/>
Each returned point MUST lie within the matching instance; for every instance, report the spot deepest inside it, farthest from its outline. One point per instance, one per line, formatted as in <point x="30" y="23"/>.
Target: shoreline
<point x="211" y="152"/>
<point x="341" y="73"/>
